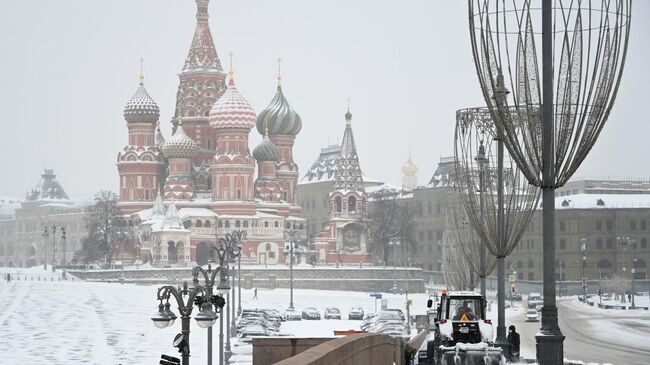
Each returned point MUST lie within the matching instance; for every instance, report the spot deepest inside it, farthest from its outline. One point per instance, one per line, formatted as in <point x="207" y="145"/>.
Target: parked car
<point x="355" y="313"/>
<point x="310" y="313"/>
<point x="532" y="315"/>
<point x="398" y="311"/>
<point x="291" y="315"/>
<point x="332" y="313"/>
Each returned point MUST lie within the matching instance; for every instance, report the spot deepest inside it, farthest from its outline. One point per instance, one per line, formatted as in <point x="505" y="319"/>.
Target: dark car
<point x="355" y="313"/>
<point x="311" y="313"/>
<point x="332" y="313"/>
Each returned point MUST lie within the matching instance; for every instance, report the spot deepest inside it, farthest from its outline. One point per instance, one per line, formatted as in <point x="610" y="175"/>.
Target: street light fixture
<point x="583" y="263"/>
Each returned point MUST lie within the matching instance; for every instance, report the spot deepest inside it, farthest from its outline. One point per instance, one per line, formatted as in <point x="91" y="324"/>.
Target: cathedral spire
<point x="202" y="55"/>
<point x="347" y="174"/>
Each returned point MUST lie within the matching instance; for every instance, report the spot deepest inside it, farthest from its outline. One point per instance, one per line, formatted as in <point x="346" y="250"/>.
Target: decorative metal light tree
<point x="228" y="250"/>
<point x="457" y="272"/>
<point x="470" y="245"/>
<point x="555" y="114"/>
<point x="497" y="198"/>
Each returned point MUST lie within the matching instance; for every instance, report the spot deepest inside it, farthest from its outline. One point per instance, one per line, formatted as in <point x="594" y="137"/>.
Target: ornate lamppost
<point x="228" y="248"/>
<point x="290" y="236"/>
<point x="556" y="112"/>
<point x="186" y="299"/>
<point x="209" y="276"/>
<point x="53" y="247"/>
<point x="583" y="263"/>
<point x="63" y="238"/>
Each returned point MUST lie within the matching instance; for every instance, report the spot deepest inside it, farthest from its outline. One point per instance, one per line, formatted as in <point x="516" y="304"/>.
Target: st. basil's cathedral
<point x="182" y="192"/>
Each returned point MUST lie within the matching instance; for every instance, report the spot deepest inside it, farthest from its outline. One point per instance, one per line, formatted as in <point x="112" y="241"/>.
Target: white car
<point x="532" y="315"/>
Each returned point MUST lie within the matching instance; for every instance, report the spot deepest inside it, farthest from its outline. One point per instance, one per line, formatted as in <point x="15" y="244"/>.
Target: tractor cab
<point x="461" y="318"/>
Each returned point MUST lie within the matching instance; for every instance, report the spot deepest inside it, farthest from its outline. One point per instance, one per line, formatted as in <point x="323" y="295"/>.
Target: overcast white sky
<point x="68" y="67"/>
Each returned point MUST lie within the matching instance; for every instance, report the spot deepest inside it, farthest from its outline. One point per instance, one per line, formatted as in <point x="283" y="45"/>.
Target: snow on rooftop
<point x="602" y="201"/>
<point x="196" y="212"/>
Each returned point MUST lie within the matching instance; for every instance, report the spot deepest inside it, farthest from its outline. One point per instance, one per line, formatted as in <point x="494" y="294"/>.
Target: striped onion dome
<point x="180" y="145"/>
<point x="266" y="151"/>
<point x="141" y="108"/>
<point x="279" y="116"/>
<point x="231" y="110"/>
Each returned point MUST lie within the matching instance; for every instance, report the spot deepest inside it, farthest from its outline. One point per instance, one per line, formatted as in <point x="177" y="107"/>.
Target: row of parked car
<point x="389" y="322"/>
<point x="312" y="313"/>
<point x="259" y="322"/>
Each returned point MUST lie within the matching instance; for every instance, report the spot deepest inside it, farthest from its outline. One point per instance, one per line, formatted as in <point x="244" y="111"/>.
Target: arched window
<point x="245" y="224"/>
<point x="337" y="204"/>
<point x="301" y="226"/>
<point x="352" y="204"/>
<point x="237" y="224"/>
<point x="220" y="223"/>
<point x="206" y="224"/>
<point x="277" y="224"/>
<point x="198" y="223"/>
<point x="227" y="224"/>
<point x="266" y="224"/>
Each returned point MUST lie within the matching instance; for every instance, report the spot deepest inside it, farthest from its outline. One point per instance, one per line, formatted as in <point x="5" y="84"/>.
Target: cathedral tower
<point x="233" y="166"/>
<point x="283" y="124"/>
<point x="202" y="82"/>
<point x="140" y="163"/>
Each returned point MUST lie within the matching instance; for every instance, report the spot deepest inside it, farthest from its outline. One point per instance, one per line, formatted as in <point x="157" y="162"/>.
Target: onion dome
<point x="266" y="151"/>
<point x="279" y="116"/>
<point x="180" y="145"/>
<point x="409" y="168"/>
<point x="231" y="110"/>
<point x="141" y="108"/>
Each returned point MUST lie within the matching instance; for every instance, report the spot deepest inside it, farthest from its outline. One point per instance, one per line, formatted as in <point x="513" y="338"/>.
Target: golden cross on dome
<point x="141" y="71"/>
<point x="232" y="71"/>
<point x="279" y="71"/>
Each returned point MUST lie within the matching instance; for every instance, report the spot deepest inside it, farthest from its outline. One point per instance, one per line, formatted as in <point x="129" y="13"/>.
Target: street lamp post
<point x="186" y="299"/>
<point x="394" y="245"/>
<point x="53" y="247"/>
<point x="290" y="236"/>
<point x="239" y="284"/>
<point x="233" y="326"/>
<point x="583" y="263"/>
<point x="45" y="235"/>
<point x="209" y="279"/>
<point x="228" y="248"/>
<point x="63" y="237"/>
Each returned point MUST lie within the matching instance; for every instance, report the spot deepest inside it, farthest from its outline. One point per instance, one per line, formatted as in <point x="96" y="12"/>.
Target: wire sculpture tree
<point x="496" y="196"/>
<point x="554" y="115"/>
<point x="456" y="270"/>
<point x="471" y="246"/>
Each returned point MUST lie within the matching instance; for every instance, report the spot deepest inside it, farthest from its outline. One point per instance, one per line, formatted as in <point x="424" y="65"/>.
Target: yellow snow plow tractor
<point x="461" y="333"/>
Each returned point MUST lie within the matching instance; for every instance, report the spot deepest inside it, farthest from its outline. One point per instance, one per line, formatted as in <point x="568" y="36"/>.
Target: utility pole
<point x="583" y="261"/>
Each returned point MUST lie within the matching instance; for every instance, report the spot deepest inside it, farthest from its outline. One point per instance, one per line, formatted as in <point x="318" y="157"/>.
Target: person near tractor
<point x="514" y="341"/>
<point x="464" y="310"/>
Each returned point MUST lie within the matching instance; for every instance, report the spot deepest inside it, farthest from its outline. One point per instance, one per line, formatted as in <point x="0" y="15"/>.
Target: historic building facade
<point x="184" y="191"/>
<point x="47" y="226"/>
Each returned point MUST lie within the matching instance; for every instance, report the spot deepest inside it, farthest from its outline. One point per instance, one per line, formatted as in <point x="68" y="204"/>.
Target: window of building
<point x="610" y="243"/>
<point x="198" y="223"/>
<point x="562" y="226"/>
<point x="562" y="244"/>
<point x="610" y="226"/>
<point x="277" y="224"/>
<point x="227" y="224"/>
<point x="352" y="204"/>
<point x="644" y="243"/>
<point x="206" y="224"/>
<point x="220" y="223"/>
<point x="266" y="224"/>
<point x="644" y="224"/>
<point x="599" y="244"/>
<point x="337" y="204"/>
<point x="599" y="225"/>
<point x="430" y="236"/>
<point x="245" y="224"/>
<point x="632" y="225"/>
<point x="237" y="224"/>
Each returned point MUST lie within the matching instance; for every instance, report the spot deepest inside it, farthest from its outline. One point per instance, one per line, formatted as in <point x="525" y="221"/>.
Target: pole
<point x="226" y="355"/>
<point x="53" y="247"/>
<point x="233" y="326"/>
<point x="550" y="347"/>
<point x="221" y="337"/>
<point x="291" y="271"/>
<point x="239" y="284"/>
<point x="482" y="247"/>
<point x="501" y="339"/>
<point x="185" y="331"/>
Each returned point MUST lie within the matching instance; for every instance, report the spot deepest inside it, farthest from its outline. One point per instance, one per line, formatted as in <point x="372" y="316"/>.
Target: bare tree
<point x="102" y="226"/>
<point x="390" y="220"/>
